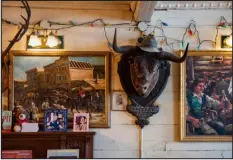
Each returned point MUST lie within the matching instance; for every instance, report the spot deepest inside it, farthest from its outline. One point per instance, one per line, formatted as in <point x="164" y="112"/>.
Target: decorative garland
<point x="191" y="29"/>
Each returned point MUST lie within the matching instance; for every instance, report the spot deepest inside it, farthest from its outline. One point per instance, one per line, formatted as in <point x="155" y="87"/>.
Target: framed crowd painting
<point x="206" y="96"/>
<point x="75" y="81"/>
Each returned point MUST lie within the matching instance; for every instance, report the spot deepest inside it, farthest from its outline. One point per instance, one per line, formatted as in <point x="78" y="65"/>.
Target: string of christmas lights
<point x="191" y="29"/>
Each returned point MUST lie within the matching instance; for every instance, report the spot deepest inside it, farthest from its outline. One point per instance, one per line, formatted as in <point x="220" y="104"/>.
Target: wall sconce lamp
<point x="52" y="40"/>
<point x="36" y="41"/>
<point x="226" y="41"/>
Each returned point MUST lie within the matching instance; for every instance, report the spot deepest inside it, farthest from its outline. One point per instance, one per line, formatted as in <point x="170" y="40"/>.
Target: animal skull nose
<point x="143" y="80"/>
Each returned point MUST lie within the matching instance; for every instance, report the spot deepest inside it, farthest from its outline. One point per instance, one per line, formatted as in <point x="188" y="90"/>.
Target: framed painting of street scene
<point x="206" y="96"/>
<point x="76" y="81"/>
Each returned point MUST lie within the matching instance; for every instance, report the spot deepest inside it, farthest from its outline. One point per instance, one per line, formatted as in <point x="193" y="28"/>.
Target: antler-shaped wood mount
<point x="23" y="29"/>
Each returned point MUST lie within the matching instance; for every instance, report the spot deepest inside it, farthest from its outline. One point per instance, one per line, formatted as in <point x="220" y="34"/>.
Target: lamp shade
<point x="52" y="41"/>
<point x="34" y="41"/>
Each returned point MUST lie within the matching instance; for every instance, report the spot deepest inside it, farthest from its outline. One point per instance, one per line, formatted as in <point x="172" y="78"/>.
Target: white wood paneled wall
<point x="122" y="139"/>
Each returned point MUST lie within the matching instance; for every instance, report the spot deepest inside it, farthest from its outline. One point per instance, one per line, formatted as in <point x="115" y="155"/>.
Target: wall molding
<point x="193" y="5"/>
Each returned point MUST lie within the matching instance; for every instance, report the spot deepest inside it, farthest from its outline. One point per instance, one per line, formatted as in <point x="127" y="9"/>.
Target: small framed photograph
<point x="81" y="122"/>
<point x="119" y="101"/>
<point x="55" y="120"/>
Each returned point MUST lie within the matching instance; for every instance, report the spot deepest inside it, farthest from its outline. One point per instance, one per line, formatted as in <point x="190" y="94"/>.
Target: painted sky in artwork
<point x="24" y="63"/>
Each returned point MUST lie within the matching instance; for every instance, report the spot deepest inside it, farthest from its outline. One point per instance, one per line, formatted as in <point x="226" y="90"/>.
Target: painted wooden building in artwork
<point x="60" y="73"/>
<point x="34" y="78"/>
<point x="213" y="67"/>
<point x="19" y="89"/>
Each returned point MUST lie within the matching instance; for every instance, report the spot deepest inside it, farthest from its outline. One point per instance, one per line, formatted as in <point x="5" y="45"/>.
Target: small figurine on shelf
<point x="21" y="116"/>
<point x="33" y="112"/>
<point x="16" y="109"/>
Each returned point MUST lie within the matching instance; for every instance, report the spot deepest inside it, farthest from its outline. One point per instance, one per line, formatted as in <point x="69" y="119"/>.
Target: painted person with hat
<point x="198" y="105"/>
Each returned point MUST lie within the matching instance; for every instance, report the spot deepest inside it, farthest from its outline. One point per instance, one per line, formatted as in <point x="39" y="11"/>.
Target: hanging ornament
<point x="190" y="32"/>
<point x="198" y="47"/>
<point x="91" y="25"/>
<point x="224" y="26"/>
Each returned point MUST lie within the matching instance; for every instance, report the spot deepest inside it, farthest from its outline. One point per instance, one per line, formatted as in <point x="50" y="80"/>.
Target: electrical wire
<point x="191" y="29"/>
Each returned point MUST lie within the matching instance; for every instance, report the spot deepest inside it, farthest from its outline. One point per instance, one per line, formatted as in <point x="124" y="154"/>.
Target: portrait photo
<point x="81" y="122"/>
<point x="55" y="120"/>
<point x="119" y="101"/>
<point x="206" y="96"/>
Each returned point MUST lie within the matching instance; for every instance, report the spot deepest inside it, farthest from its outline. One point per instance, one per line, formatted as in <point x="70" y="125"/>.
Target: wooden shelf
<point x="40" y="142"/>
<point x="46" y="133"/>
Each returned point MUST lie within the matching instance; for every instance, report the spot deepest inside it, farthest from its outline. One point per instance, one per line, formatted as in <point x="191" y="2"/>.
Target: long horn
<point x="122" y="49"/>
<point x="172" y="57"/>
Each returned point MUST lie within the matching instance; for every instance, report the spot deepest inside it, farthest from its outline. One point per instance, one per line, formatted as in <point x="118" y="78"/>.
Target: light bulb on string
<point x="91" y="24"/>
<point x="221" y="23"/>
<point x="182" y="44"/>
<point x="190" y="32"/>
<point x="164" y="24"/>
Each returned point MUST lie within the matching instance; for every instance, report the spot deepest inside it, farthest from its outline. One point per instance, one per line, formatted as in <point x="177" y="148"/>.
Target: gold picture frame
<point x="84" y="73"/>
<point x="202" y="64"/>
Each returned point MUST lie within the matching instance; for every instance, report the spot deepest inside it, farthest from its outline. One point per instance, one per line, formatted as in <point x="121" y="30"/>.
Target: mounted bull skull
<point x="143" y="72"/>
